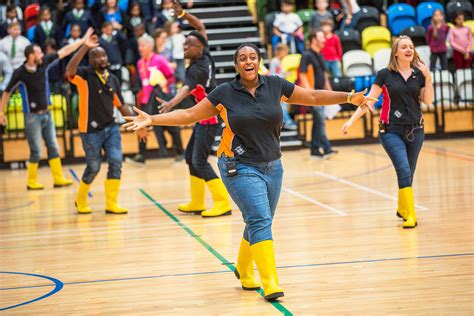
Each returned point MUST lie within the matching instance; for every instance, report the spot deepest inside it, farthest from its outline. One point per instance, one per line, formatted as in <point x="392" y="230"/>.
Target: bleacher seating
<point x="290" y="64"/>
<point x="31" y="15"/>
<point x="350" y="40"/>
<point x="416" y="33"/>
<point x="400" y="16"/>
<point x="453" y="7"/>
<point x="375" y="38"/>
<point x="444" y="88"/>
<point x="369" y="16"/>
<point x="425" y="53"/>
<point x="305" y="16"/>
<point x="381" y="58"/>
<point x="357" y="63"/>
<point x="424" y="12"/>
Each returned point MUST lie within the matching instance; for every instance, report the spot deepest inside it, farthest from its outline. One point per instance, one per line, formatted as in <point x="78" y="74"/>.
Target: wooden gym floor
<point x="340" y="249"/>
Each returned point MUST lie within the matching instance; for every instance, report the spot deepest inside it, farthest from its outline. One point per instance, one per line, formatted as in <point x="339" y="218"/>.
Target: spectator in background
<point x="135" y="17"/>
<point x="313" y="76"/>
<point x="146" y="8"/>
<point x="320" y="14"/>
<point x="176" y="41"/>
<point x="14" y="45"/>
<point x="11" y="16"/>
<point x="161" y="47"/>
<point x="351" y="14"/>
<point x="277" y="70"/>
<point x="460" y="38"/>
<point x="154" y="70"/>
<point x="332" y="51"/>
<point x="288" y="28"/>
<point x="112" y="13"/>
<point x="114" y="44"/>
<point x="165" y="14"/>
<point x="57" y="69"/>
<point x="436" y="36"/>
<point x="6" y="71"/>
<point x="78" y="15"/>
<point x="47" y="29"/>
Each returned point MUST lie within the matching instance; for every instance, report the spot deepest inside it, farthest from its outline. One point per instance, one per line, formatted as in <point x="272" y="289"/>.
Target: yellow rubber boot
<point x="244" y="267"/>
<point x="112" y="187"/>
<point x="409" y="201"/>
<point x="401" y="211"/>
<point x="57" y="171"/>
<point x="220" y="197"/>
<point x="33" y="183"/>
<point x="81" y="198"/>
<point x="264" y="256"/>
<point x="198" y="193"/>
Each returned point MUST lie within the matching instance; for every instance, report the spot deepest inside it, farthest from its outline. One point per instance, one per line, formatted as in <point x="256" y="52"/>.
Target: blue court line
<point x="58" y="285"/>
<point x="296" y="266"/>
<point x="213" y="251"/>
<point x="74" y="175"/>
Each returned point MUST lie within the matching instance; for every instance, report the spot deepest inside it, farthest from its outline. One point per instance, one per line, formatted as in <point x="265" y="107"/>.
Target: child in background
<point x="114" y="44"/>
<point x="332" y="51"/>
<point x="288" y="27"/>
<point x="436" y="36"/>
<point x="47" y="29"/>
<point x="276" y="69"/>
<point x="176" y="39"/>
<point x="320" y="15"/>
<point x="460" y="38"/>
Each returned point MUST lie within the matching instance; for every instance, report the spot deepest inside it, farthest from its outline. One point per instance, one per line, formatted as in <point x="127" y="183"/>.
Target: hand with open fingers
<point x="92" y="42"/>
<point x="346" y="126"/>
<point x="424" y="69"/>
<point x="164" y="107"/>
<point x="138" y="122"/>
<point x="178" y="9"/>
<point x="361" y="100"/>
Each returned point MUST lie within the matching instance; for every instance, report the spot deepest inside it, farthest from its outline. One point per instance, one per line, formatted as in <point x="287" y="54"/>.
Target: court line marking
<point x="295" y="266"/>
<point x="214" y="252"/>
<point x="311" y="200"/>
<point x="58" y="285"/>
<point x="363" y="188"/>
<point x="17" y="207"/>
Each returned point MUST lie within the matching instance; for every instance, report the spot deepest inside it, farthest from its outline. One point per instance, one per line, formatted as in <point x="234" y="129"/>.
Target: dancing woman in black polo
<point x="249" y="154"/>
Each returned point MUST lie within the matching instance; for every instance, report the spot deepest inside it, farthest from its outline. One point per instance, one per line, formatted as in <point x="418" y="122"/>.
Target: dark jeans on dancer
<point x="403" y="145"/>
<point x="198" y="150"/>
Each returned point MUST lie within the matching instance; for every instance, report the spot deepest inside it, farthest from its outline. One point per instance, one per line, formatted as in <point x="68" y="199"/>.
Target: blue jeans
<point x="403" y="152"/>
<point x="108" y="139"/>
<point x="318" y="132"/>
<point x="333" y="68"/>
<point x="256" y="190"/>
<point x="355" y="20"/>
<point x="39" y="126"/>
<point x="198" y="150"/>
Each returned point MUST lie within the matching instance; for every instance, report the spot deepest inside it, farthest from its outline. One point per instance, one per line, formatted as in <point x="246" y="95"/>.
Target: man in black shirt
<point x="199" y="81"/>
<point x="31" y="79"/>
<point x="313" y="76"/>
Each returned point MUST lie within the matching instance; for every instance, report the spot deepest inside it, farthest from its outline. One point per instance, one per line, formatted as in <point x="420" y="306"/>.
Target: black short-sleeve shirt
<point x="253" y="124"/>
<point x="401" y="99"/>
<point x="312" y="63"/>
<point x="97" y="98"/>
<point x="33" y="85"/>
<point x="201" y="77"/>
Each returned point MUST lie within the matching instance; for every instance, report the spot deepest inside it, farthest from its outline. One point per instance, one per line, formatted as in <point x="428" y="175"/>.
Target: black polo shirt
<point x="253" y="124"/>
<point x="401" y="99"/>
<point x="312" y="63"/>
<point x="33" y="85"/>
<point x="201" y="76"/>
<point x="97" y="98"/>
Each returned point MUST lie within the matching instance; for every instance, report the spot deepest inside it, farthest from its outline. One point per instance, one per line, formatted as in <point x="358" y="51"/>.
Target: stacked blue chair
<point x="30" y="33"/>
<point x="400" y="17"/>
<point x="424" y="12"/>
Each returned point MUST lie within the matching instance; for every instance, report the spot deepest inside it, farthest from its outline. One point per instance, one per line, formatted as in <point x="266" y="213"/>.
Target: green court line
<point x="216" y="254"/>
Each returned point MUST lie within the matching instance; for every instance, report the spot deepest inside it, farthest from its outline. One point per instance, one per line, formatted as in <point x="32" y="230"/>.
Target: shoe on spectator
<point x="330" y="154"/>
<point x="179" y="157"/>
<point x="137" y="160"/>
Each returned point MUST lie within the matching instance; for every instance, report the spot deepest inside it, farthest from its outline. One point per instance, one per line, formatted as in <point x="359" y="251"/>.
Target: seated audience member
<point x="114" y="44"/>
<point x="80" y="16"/>
<point x="14" y="45"/>
<point x="288" y="28"/>
<point x="322" y="13"/>
<point x="47" y="29"/>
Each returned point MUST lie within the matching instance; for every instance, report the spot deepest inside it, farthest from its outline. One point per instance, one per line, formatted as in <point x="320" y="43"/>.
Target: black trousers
<point x="198" y="150"/>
